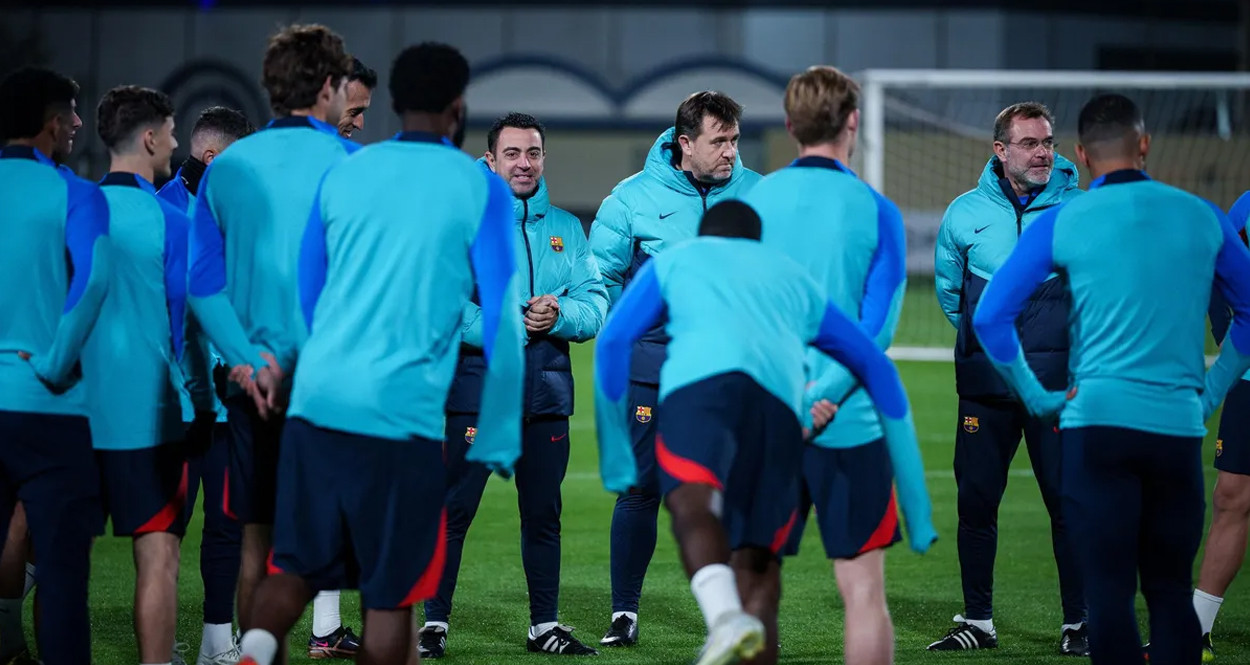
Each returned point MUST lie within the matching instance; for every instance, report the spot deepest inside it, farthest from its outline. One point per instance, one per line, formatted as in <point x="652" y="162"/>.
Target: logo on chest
<point x="972" y="424"/>
<point x="643" y="414"/>
<point x="470" y="434"/>
<point x="557" y="244"/>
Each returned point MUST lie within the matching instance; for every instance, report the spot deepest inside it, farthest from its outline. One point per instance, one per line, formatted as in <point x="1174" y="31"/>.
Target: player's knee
<point x="1232" y="495"/>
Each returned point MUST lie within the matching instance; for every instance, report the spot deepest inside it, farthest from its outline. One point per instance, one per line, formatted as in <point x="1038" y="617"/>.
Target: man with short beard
<point x="1024" y="178"/>
<point x="564" y="301"/>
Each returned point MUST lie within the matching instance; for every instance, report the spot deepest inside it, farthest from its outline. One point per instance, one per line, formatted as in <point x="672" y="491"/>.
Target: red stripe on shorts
<point x="684" y="470"/>
<point x="884" y="535"/>
<point x="164" y="519"/>
<point x="783" y="534"/>
<point x="427" y="586"/>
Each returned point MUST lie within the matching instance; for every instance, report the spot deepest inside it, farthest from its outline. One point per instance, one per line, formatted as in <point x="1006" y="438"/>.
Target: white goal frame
<point x="875" y="82"/>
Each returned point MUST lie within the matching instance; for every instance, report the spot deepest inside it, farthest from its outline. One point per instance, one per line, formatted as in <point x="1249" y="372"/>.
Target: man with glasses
<point x="1024" y="178"/>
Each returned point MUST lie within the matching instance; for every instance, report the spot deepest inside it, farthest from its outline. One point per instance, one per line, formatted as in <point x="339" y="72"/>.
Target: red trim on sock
<point x="161" y="521"/>
<point x="686" y="471"/>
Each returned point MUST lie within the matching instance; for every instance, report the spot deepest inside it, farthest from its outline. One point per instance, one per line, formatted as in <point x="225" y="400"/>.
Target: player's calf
<point x="758" y="574"/>
<point x="156" y="595"/>
<point x="869" y="633"/>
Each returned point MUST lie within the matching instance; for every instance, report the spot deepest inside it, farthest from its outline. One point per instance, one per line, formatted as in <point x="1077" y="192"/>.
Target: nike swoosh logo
<point x="558" y="438"/>
<point x="668" y="215"/>
<point x="982" y="228"/>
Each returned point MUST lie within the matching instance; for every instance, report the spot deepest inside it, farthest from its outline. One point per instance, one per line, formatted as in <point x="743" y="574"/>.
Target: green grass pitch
<point x="491" y="609"/>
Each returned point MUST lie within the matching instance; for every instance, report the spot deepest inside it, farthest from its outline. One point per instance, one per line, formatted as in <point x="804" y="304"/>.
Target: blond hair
<point x="819" y="102"/>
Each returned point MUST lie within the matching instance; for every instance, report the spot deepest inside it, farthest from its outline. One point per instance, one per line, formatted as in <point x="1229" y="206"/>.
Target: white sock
<point x="633" y="616"/>
<point x="30" y="580"/>
<point x="541" y="629"/>
<point x="12" y="639"/>
<point x="715" y="589"/>
<point x="217" y="638"/>
<point x="1207" y="606"/>
<point x="326" y="617"/>
<point x="986" y="625"/>
<point x="1070" y="626"/>
<point x="260" y="645"/>
<point x="436" y="624"/>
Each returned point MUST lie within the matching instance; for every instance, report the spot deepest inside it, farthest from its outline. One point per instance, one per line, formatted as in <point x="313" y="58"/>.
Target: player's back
<point x="737" y="306"/>
<point x="1139" y="257"/>
<point x="828" y="220"/>
<point x="260" y="193"/>
<point x="130" y="360"/>
<point x="36" y="200"/>
<point x="399" y="219"/>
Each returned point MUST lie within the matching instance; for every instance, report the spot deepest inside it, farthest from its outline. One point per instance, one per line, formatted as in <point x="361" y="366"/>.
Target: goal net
<point x="926" y="135"/>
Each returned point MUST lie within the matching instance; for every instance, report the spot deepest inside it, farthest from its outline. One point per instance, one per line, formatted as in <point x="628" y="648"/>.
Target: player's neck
<point x="430" y="123"/>
<point x="840" y="151"/>
<point x="139" y="165"/>
<point x="311" y="112"/>
<point x="41" y="143"/>
<point x="1100" y="169"/>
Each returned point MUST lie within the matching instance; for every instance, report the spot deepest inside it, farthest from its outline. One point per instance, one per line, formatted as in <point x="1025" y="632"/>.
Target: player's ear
<point x="685" y="143"/>
<point x="1082" y="157"/>
<point x="149" y="140"/>
<point x="1143" y="146"/>
<point x="852" y="122"/>
<point x="490" y="160"/>
<point x="327" y="89"/>
<point x="1000" y="151"/>
<point x="208" y="156"/>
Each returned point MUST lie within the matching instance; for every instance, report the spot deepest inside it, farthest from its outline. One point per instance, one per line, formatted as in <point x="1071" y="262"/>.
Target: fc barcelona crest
<point x="971" y="424"/>
<point x="1219" y="447"/>
<point x="557" y="243"/>
<point x="470" y="434"/>
<point x="643" y="414"/>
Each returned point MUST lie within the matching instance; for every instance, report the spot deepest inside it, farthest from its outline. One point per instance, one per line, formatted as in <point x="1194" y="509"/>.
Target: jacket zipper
<point x="529" y="255"/>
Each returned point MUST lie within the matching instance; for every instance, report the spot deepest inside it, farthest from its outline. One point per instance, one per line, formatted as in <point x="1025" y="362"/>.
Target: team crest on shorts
<point x="1219" y="447"/>
<point x="972" y="424"/>
<point x="470" y="433"/>
<point x="643" y="414"/>
<point x="557" y="243"/>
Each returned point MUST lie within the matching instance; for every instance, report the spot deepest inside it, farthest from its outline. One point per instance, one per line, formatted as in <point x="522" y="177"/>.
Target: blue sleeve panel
<point x="1232" y="279"/>
<point x="846" y="343"/>
<point x="641" y="306"/>
<point x="86" y="241"/>
<point x="887" y="273"/>
<point x="1029" y="264"/>
<point x="206" y="285"/>
<point x="498" y="442"/>
<point x="312" y="262"/>
<point x="1239" y="212"/>
<point x="190" y="349"/>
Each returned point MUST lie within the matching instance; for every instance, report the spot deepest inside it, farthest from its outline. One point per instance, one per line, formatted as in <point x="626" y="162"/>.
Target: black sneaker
<point x="559" y="640"/>
<point x="1075" y="642"/>
<point x="432" y="642"/>
<point x="342" y="643"/>
<point x="965" y="636"/>
<point x="623" y="633"/>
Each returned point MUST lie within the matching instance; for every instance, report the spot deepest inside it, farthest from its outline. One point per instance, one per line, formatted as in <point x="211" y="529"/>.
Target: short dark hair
<point x="516" y="121"/>
<point x="298" y="61"/>
<point x="126" y="109"/>
<point x="731" y="219"/>
<point x="28" y="97"/>
<point x="362" y="73"/>
<point x="427" y="78"/>
<point x="1025" y="110"/>
<point x="231" y="124"/>
<point x="690" y="114"/>
<point x="1108" y="117"/>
